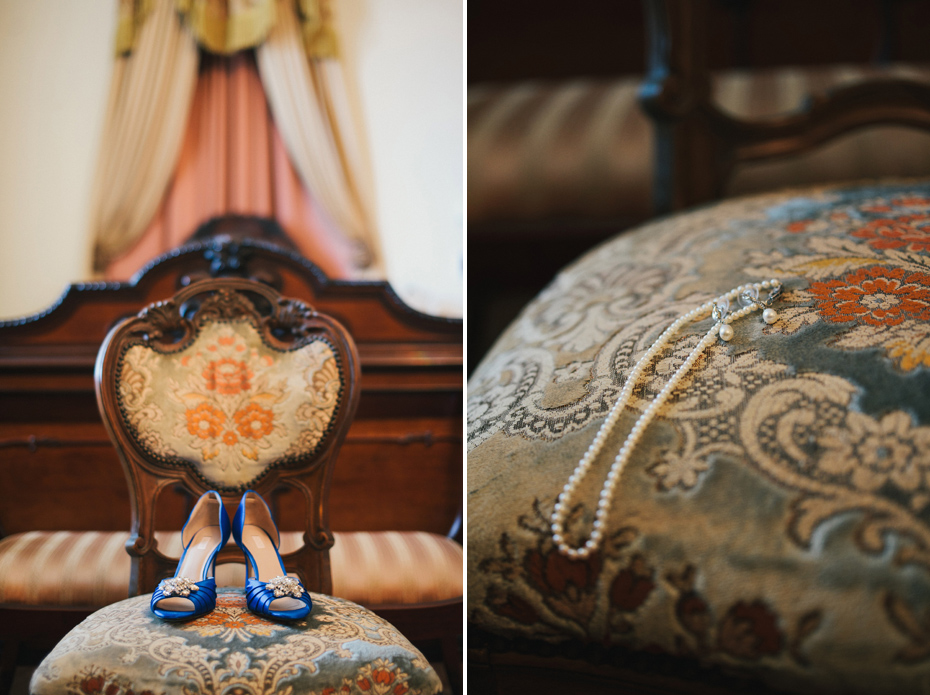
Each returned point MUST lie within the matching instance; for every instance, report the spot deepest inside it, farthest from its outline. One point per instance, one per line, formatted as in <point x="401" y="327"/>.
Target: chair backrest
<point x="228" y="386"/>
<point x="698" y="145"/>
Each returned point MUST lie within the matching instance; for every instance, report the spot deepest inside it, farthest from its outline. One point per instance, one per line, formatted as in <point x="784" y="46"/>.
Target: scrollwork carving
<point x="160" y="321"/>
<point x="291" y="317"/>
<point x="223" y="305"/>
<point x="226" y="257"/>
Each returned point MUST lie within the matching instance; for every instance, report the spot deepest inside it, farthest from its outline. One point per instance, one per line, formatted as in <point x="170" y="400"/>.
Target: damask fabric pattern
<point x="775" y="518"/>
<point x="339" y="648"/>
<point x="229" y="403"/>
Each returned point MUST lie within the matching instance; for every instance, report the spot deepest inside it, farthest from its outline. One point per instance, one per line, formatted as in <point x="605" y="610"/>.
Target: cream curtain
<point x="150" y="95"/>
<point x="233" y="161"/>
<point x="307" y="101"/>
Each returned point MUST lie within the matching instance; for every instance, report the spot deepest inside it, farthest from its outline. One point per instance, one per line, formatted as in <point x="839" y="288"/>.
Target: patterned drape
<point x="227" y="26"/>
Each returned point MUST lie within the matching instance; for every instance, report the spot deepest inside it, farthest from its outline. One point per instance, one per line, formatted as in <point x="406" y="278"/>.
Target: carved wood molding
<point x="34" y="442"/>
<point x="253" y="259"/>
<point x="828" y="115"/>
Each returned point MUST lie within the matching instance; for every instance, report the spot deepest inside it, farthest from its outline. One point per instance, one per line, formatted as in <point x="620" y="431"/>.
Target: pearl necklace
<point x="719" y="309"/>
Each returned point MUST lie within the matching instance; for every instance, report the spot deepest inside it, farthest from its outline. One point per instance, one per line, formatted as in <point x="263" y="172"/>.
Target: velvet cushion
<point x="90" y="569"/>
<point x="229" y="403"/>
<point x="340" y="647"/>
<point x="775" y="517"/>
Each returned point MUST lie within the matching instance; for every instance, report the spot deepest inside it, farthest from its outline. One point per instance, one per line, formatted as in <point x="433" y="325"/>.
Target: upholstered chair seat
<point x="88" y="569"/>
<point x="772" y="525"/>
<point x="339" y="647"/>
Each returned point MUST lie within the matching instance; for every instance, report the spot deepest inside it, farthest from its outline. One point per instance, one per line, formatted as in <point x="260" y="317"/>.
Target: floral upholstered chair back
<point x="228" y="386"/>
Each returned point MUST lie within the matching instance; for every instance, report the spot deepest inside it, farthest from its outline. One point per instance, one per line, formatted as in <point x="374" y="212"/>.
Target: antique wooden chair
<point x="63" y="558"/>
<point x="231" y="387"/>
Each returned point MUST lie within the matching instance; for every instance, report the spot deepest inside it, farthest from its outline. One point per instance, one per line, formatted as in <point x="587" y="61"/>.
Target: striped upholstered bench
<point x="88" y="570"/>
<point x="585" y="148"/>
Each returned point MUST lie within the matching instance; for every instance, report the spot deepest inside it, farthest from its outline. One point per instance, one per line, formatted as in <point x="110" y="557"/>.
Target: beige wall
<point x="55" y="58"/>
<point x="404" y="64"/>
<point x="405" y="57"/>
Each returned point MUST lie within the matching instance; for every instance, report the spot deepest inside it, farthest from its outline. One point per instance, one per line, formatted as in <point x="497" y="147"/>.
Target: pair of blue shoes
<point x="191" y="592"/>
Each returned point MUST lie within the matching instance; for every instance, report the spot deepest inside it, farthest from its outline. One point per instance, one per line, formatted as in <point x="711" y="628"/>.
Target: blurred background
<point x="401" y="68"/>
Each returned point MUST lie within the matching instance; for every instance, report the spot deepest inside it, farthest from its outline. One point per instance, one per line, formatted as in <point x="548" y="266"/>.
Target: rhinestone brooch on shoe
<point x="285" y="586"/>
<point x="178" y="586"/>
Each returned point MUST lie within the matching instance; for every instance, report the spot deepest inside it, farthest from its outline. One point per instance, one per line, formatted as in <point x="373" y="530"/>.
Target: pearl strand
<point x="717" y="308"/>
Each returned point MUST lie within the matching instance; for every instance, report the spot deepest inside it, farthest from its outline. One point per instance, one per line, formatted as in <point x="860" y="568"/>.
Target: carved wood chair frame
<point x="698" y="145"/>
<point x="171" y="326"/>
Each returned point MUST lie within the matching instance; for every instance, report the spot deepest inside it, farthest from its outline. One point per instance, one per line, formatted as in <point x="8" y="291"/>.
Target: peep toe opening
<point x="269" y="589"/>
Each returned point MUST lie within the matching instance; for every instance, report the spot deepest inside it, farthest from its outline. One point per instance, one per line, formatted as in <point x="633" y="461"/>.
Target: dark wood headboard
<point x="400" y="467"/>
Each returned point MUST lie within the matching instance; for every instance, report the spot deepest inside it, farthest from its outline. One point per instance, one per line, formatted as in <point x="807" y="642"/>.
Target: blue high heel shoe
<point x="191" y="592"/>
<point x="268" y="589"/>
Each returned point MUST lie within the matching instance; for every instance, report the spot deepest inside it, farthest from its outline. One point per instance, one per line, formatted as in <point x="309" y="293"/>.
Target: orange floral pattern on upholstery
<point x="879" y="296"/>
<point x="229" y="403"/>
<point x="227" y="376"/>
<point x="232" y="620"/>
<point x="205" y="421"/>
<point x="911" y="232"/>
